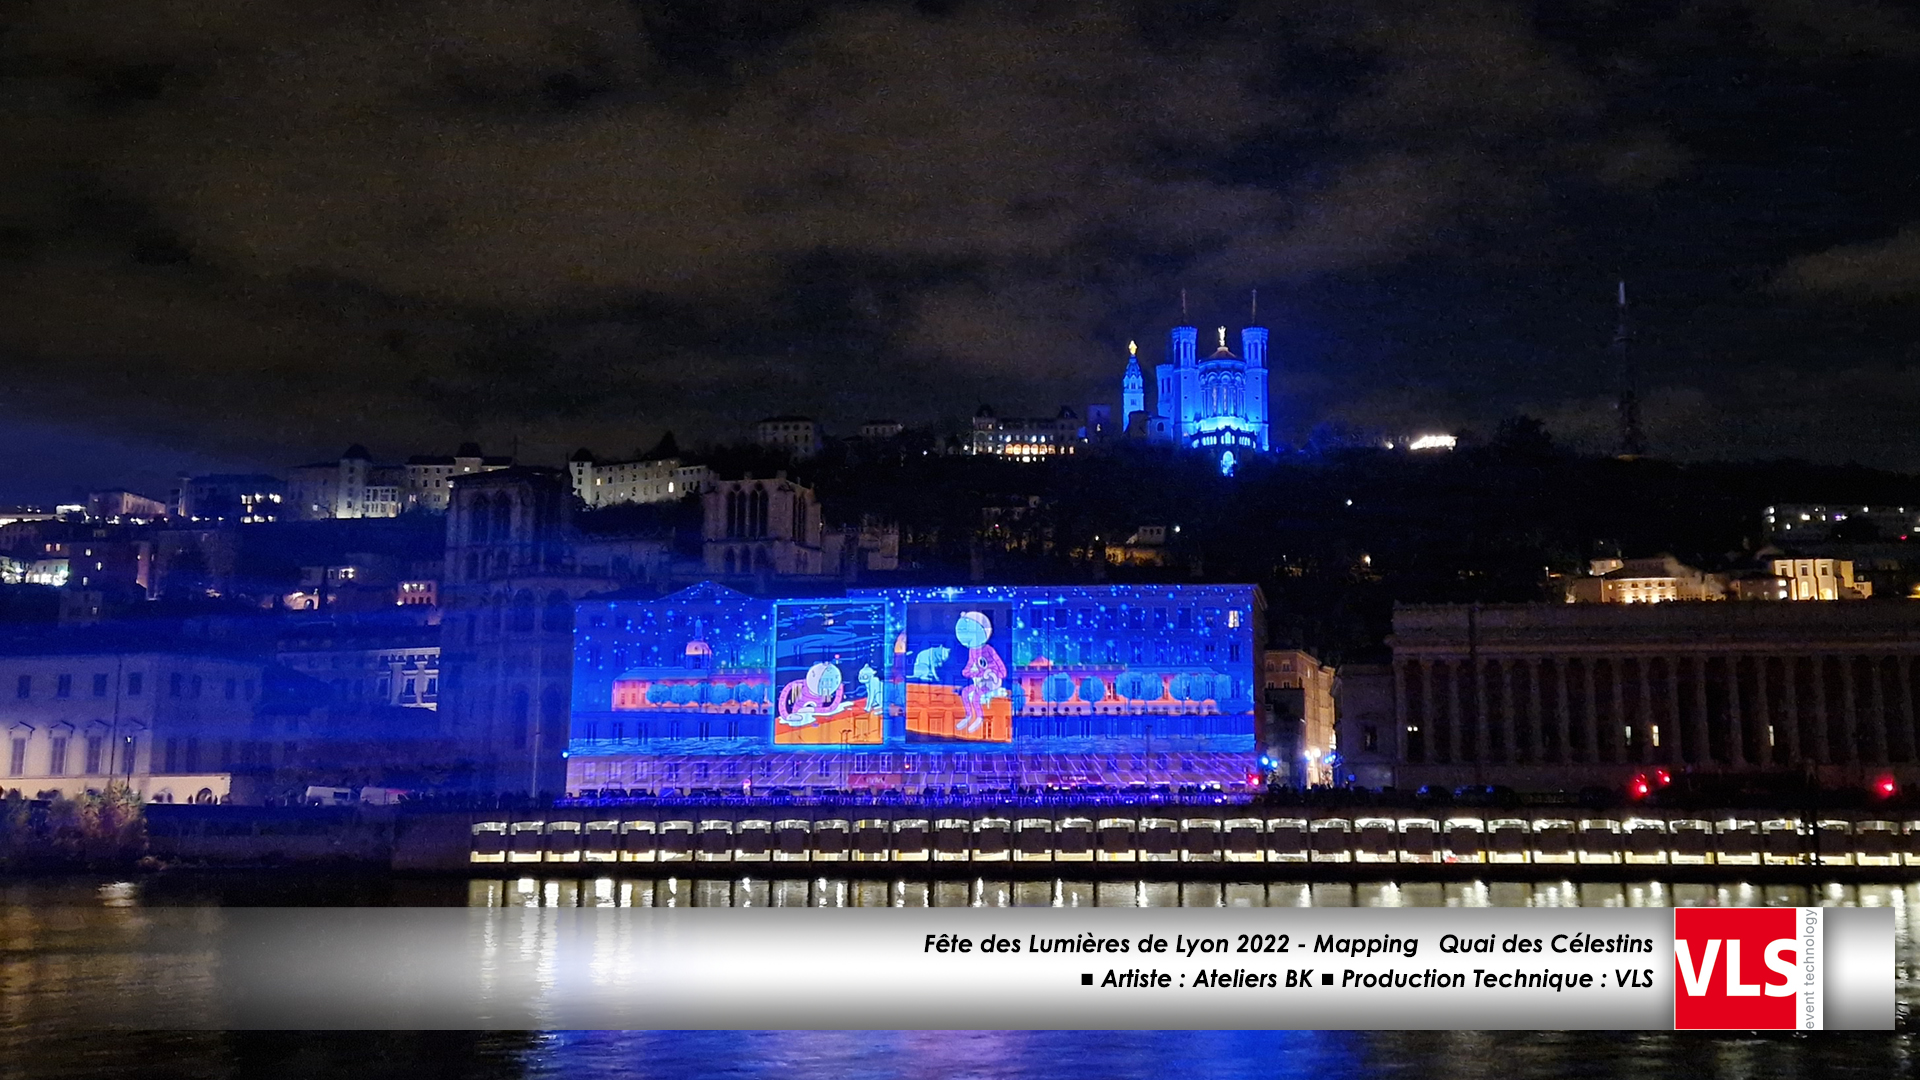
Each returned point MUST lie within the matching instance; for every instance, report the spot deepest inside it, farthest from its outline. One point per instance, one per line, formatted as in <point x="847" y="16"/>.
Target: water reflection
<point x="1064" y="892"/>
<point x="58" y="971"/>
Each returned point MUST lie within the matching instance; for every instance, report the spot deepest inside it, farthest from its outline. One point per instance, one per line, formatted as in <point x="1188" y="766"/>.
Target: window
<point x="196" y="686"/>
<point x="63" y="687"/>
<point x="100" y="685"/>
<point x="23" y="688"/>
<point x="96" y="749"/>
<point x="173" y="755"/>
<point x="135" y="683"/>
<point x="193" y="754"/>
<point x="176" y="684"/>
<point x="17" y="760"/>
<point x="233" y="689"/>
<point x="1370" y="738"/>
<point x="57" y="757"/>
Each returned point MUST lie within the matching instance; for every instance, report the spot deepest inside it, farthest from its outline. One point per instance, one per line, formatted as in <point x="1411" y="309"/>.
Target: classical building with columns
<point x="1557" y="697"/>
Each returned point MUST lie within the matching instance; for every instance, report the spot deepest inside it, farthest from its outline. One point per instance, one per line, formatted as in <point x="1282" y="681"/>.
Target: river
<point x="55" y="1001"/>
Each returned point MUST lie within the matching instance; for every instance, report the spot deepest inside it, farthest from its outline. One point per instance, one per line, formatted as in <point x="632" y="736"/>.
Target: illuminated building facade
<point x="797" y="435"/>
<point x="1557" y="697"/>
<point x="1025" y="439"/>
<point x="1216" y="403"/>
<point x="765" y="526"/>
<point x="979" y="688"/>
<point x="1819" y="579"/>
<point x="227" y="497"/>
<point x="171" y="724"/>
<point x="1298" y="670"/>
<point x="648" y="479"/>
<point x="1661" y="579"/>
<point x="428" y="483"/>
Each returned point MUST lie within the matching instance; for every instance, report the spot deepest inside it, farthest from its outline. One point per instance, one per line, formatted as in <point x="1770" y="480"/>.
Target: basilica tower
<point x="1133" y="388"/>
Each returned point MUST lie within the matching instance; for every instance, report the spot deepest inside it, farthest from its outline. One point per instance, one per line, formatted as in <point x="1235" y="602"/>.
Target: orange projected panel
<point x="854" y="727"/>
<point x="938" y="712"/>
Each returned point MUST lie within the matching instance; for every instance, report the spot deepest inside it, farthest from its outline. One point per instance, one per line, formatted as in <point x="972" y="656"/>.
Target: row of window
<point x="982" y="765"/>
<point x="179" y="685"/>
<point x="95" y="763"/>
<point x="178" y="755"/>
<point x="1053" y="727"/>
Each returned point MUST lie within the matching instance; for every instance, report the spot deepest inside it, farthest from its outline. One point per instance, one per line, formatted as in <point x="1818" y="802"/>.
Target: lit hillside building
<point x="1025" y="439"/>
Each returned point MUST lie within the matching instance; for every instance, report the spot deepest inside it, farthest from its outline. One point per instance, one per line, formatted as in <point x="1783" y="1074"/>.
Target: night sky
<point x="245" y="233"/>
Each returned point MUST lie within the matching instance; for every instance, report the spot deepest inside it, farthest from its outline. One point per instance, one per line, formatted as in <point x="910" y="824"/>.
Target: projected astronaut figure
<point x="812" y="698"/>
<point x="984" y="667"/>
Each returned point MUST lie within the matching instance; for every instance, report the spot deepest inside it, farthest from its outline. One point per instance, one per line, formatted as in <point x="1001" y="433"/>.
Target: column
<point x="1850" y="714"/>
<point x="1648" y="751"/>
<point x="1482" y="731"/>
<point x="1763" y="705"/>
<point x="1435" y="751"/>
<point x="1676" y="735"/>
<point x="1400" y="708"/>
<point x="1537" y="721"/>
<point x="1790" y="686"/>
<point x="1877" y="712"/>
<point x="1592" y="734"/>
<point x="1736" y="734"/>
<point x="1456" y="733"/>
<point x="1906" y="740"/>
<point x="1822" y="745"/>
<point x="1702" y="741"/>
<point x="1507" y="723"/>
<point x="1563" y="712"/>
<point x="1617" y="723"/>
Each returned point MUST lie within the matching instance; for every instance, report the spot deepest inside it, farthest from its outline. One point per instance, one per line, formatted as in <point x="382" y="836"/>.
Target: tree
<point x="1524" y="437"/>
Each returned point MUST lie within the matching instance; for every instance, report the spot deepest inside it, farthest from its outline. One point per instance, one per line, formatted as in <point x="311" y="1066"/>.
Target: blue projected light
<point x="1108" y="673"/>
<point x="1227" y="463"/>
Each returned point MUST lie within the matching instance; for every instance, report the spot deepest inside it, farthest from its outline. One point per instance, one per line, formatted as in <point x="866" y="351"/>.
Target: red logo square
<point x="1736" y="968"/>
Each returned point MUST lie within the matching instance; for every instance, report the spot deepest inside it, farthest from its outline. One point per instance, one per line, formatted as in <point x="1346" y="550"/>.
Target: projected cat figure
<point x="804" y="701"/>
<point x="985" y="670"/>
<point x="926" y="666"/>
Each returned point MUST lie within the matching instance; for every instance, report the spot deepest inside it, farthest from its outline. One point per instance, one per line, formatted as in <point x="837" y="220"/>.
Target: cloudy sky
<point x="240" y="233"/>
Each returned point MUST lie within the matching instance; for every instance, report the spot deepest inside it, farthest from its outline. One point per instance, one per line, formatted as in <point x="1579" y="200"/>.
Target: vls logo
<point x="1747" y="968"/>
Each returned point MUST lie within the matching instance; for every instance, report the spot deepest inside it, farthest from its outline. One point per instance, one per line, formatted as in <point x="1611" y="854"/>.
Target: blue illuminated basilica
<point x="1216" y="404"/>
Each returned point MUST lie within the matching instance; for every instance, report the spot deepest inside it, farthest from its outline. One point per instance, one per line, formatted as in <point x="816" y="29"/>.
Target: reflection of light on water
<point x="120" y="894"/>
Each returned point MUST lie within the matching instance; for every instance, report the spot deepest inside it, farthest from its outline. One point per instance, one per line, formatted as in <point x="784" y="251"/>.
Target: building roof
<point x="786" y="420"/>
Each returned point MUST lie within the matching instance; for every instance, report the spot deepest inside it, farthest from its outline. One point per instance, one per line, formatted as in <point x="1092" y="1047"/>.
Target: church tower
<point x="1253" y="349"/>
<point x="1133" y="388"/>
<point x="1181" y="344"/>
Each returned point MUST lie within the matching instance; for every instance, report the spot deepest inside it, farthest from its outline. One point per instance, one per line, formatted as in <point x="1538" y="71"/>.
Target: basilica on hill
<point x="1216" y="404"/>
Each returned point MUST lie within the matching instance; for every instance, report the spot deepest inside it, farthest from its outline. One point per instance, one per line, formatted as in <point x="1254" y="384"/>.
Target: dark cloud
<point x="1876" y="269"/>
<point x="247" y="226"/>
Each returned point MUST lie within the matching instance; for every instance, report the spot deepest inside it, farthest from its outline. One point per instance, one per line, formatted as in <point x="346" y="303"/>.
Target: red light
<point x="1662" y="777"/>
<point x="1886" y="787"/>
<point x="1639" y="786"/>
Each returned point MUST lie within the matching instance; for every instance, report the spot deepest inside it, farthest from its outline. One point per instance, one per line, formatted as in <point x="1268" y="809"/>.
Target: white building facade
<point x="171" y="725"/>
